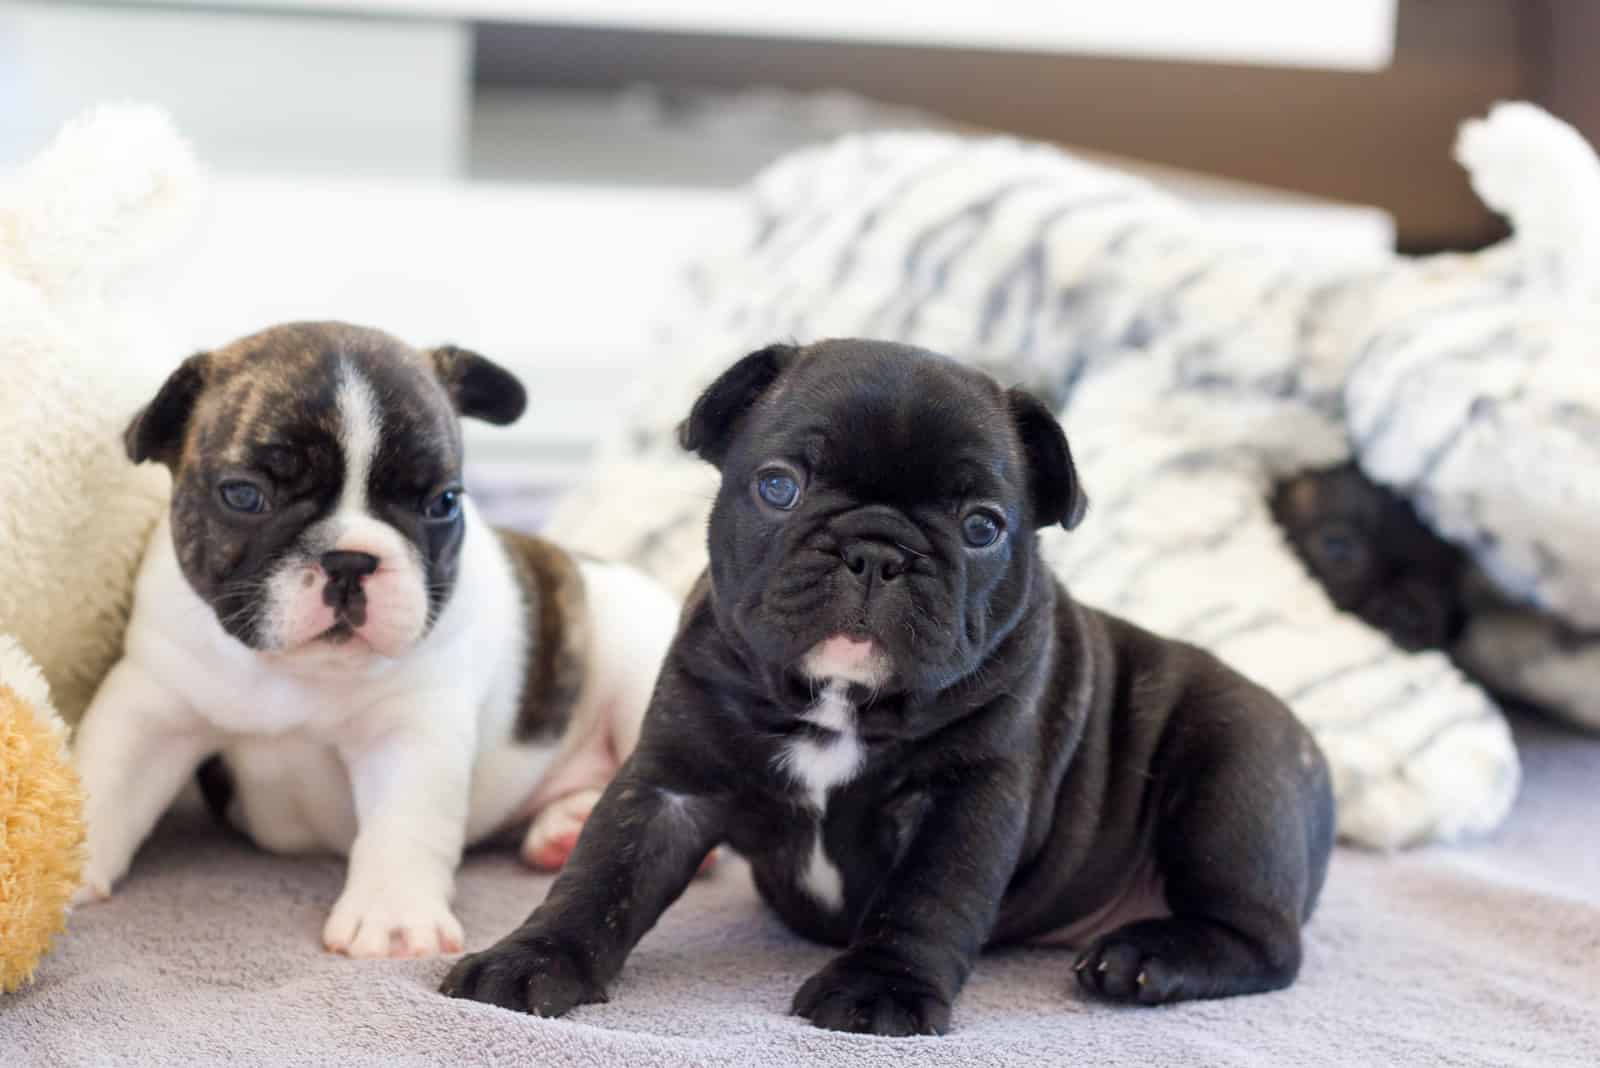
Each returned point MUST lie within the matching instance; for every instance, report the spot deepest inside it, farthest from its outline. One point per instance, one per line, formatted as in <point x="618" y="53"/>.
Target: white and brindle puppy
<point x="381" y="674"/>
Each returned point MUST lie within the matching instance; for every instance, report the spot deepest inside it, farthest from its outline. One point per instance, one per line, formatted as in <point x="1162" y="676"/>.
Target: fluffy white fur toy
<point x="1476" y="395"/>
<point x="82" y="228"/>
<point x="1191" y="372"/>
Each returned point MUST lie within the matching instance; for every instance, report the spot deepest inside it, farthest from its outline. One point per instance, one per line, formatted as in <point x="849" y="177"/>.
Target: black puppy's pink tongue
<point x="852" y="659"/>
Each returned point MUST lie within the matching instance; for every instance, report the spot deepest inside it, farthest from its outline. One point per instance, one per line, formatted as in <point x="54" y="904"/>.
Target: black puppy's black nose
<point x="871" y="558"/>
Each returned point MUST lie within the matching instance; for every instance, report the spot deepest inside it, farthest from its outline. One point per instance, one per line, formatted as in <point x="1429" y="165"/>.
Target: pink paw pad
<point x="550" y="853"/>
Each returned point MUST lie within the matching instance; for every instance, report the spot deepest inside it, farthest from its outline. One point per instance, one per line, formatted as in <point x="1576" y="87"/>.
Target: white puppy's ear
<point x="156" y="432"/>
<point x="711" y="421"/>
<point x="1055" y="494"/>
<point x="479" y="388"/>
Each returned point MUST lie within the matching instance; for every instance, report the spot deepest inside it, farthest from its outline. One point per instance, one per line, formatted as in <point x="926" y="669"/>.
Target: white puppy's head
<point x="316" y="468"/>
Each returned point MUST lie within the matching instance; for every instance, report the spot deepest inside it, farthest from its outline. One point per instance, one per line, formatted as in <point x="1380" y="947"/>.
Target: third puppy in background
<point x="1373" y="555"/>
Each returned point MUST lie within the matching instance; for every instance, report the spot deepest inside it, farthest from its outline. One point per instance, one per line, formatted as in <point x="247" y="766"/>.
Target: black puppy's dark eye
<point x="981" y="528"/>
<point x="242" y="496"/>
<point x="443" y="507"/>
<point x="779" y="489"/>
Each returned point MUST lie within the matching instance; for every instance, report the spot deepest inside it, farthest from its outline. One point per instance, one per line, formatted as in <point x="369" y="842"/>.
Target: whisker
<point x="906" y="548"/>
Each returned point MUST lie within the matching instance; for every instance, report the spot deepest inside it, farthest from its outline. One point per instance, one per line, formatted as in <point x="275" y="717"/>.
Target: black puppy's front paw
<point x="532" y="975"/>
<point x="872" y="996"/>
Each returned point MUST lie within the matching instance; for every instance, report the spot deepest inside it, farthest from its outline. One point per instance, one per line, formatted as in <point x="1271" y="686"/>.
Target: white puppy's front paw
<point x="390" y="922"/>
<point x="96" y="883"/>
<point x="91" y="891"/>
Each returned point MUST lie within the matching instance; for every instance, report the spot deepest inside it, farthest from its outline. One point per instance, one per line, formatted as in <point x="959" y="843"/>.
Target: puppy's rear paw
<point x="1120" y="970"/>
<point x="554" y="832"/>
<point x="855" y="993"/>
<point x="523" y="974"/>
<point x="391" y="924"/>
<point x="1152" y="962"/>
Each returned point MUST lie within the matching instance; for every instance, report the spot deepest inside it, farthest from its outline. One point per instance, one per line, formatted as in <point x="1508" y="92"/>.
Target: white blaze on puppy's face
<point x="394" y="595"/>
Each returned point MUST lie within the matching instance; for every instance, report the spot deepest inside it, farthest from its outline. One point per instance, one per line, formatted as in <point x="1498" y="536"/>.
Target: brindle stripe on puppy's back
<point x="552" y="590"/>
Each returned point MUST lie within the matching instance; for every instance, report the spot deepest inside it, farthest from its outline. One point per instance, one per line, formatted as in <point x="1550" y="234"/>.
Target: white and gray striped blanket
<point x="1190" y="372"/>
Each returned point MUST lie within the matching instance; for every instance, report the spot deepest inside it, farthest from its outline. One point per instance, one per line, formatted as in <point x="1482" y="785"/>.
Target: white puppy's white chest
<point x="818" y="764"/>
<point x="265" y="703"/>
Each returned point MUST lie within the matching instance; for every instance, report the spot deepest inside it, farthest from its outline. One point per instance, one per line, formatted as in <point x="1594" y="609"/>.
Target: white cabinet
<point x="1339" y="34"/>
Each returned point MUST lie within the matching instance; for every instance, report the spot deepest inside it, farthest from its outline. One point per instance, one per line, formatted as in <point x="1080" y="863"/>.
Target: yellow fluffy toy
<point x="41" y="819"/>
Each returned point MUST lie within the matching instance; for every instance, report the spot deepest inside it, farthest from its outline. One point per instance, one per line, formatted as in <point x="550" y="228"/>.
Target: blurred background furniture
<point x="1351" y="100"/>
<point x="526" y="176"/>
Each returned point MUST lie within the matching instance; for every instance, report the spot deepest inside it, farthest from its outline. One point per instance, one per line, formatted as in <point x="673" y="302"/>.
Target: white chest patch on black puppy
<point x="819" y="763"/>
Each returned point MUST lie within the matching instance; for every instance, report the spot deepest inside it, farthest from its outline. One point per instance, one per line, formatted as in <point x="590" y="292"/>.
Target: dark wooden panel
<point x="1381" y="138"/>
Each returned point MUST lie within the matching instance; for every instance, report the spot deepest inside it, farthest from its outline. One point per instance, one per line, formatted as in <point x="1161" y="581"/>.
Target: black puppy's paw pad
<point x="846" y="998"/>
<point x="539" y="979"/>
<point x="1122" y="971"/>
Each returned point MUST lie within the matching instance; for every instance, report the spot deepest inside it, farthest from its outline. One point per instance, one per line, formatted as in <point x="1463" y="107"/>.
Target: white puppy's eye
<point x="241" y="496"/>
<point x="981" y="528"/>
<point x="778" y="487"/>
<point x="442" y="507"/>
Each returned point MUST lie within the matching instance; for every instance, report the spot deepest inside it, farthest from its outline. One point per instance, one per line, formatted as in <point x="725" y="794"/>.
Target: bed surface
<point x="209" y="954"/>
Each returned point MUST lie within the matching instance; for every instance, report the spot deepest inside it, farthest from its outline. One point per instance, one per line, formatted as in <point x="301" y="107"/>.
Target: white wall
<point x="255" y="92"/>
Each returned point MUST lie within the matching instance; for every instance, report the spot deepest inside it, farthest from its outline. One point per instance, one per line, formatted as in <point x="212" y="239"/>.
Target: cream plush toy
<point x="82" y="228"/>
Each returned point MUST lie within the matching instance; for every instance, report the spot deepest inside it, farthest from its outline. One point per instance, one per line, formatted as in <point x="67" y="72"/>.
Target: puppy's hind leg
<point x="1242" y="845"/>
<point x="554" y="831"/>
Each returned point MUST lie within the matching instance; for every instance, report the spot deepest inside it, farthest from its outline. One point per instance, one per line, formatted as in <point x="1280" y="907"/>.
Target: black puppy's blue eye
<point x="443" y="507"/>
<point x="778" y="489"/>
<point x="981" y="528"/>
<point x="243" y="496"/>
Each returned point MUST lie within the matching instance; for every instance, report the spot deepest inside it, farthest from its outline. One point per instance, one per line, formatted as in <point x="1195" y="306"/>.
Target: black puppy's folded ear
<point x="710" y="425"/>
<point x="1053" y="485"/>
<point x="156" y="432"/>
<point x="478" y="387"/>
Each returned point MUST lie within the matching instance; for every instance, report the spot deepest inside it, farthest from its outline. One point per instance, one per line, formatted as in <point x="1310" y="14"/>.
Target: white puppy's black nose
<point x="349" y="565"/>
<point x="345" y="569"/>
<point x="870" y="559"/>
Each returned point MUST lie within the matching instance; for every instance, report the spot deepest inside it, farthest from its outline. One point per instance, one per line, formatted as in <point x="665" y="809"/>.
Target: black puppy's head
<point x="1373" y="555"/>
<point x="316" y="481"/>
<point x="877" y="512"/>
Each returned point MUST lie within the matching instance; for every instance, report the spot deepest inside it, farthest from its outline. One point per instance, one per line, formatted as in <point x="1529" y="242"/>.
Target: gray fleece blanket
<point x="209" y="954"/>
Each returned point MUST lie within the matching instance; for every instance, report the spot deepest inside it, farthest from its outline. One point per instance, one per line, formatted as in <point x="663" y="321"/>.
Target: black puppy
<point x="882" y="698"/>
<point x="1374" y="557"/>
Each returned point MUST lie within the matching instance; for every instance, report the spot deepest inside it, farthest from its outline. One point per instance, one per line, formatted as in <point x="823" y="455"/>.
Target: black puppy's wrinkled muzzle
<point x="873" y="562"/>
<point x="879" y="547"/>
<point x="880" y="523"/>
<point x="888" y="586"/>
<point x="867" y="571"/>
